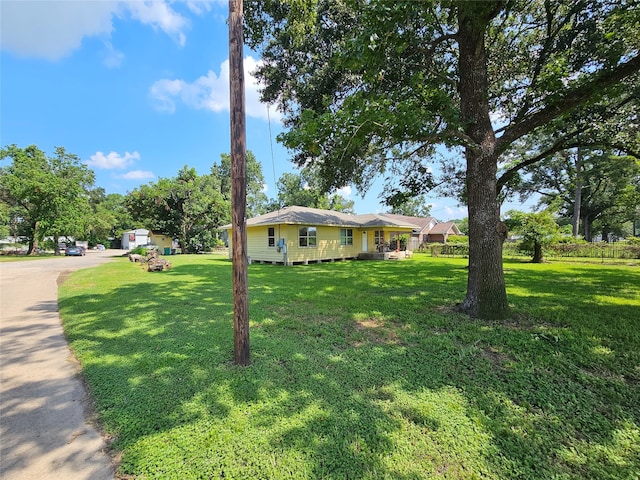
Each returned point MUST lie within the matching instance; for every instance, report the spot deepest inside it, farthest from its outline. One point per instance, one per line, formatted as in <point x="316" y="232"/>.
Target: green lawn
<point x="24" y="257"/>
<point x="362" y="370"/>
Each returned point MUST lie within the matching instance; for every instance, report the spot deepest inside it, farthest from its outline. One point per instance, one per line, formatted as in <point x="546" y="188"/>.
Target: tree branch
<point x="556" y="147"/>
<point x="572" y="99"/>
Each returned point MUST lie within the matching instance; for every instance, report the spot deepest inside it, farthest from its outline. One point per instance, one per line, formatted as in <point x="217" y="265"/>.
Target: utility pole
<point x="241" y="354"/>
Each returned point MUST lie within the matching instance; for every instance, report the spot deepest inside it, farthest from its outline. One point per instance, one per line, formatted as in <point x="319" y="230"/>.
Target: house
<point x="295" y="235"/>
<point x="135" y="238"/>
<point x="164" y="243"/>
<point x="441" y="232"/>
<point x="423" y="225"/>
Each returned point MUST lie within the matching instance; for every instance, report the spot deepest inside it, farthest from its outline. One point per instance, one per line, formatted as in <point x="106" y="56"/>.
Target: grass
<point x="362" y="370"/>
<point x="24" y="257"/>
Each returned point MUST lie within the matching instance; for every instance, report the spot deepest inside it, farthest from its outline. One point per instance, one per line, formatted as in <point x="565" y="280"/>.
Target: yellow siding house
<point x="299" y="235"/>
<point x="161" y="241"/>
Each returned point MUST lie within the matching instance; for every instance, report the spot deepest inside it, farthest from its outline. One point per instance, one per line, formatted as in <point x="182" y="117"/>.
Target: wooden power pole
<point x="238" y="187"/>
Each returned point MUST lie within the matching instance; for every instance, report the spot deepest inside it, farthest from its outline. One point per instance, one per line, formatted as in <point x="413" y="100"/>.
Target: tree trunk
<point x="486" y="292"/>
<point x="56" y="245"/>
<point x="34" y="243"/>
<point x="586" y="229"/>
<point x="537" y="253"/>
<point x="182" y="241"/>
<point x="577" y="202"/>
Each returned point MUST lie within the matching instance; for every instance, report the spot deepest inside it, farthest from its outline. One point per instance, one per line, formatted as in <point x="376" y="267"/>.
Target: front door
<point x="365" y="242"/>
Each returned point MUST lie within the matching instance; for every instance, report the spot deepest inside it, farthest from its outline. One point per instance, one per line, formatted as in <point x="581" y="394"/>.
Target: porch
<point x="392" y="255"/>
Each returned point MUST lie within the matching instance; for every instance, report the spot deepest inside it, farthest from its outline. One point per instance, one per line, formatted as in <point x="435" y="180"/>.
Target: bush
<point x="457" y="239"/>
<point x="633" y="240"/>
<point x="139" y="250"/>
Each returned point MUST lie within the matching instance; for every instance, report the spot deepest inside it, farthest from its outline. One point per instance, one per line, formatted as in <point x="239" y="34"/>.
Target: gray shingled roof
<point x="420" y="222"/>
<point x="295" y="215"/>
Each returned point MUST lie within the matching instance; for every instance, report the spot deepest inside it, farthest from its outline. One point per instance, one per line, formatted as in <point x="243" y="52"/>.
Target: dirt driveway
<point x="43" y="430"/>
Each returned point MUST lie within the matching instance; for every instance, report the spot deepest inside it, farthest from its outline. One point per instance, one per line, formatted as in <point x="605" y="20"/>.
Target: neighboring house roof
<point x="138" y="231"/>
<point x="423" y="223"/>
<point x="445" y="228"/>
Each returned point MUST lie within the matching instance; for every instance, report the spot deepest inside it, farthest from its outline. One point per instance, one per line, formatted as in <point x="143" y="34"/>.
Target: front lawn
<point x="361" y="370"/>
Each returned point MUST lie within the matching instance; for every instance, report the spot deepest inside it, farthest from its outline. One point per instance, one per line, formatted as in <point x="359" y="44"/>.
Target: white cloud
<point x="112" y="57"/>
<point x="163" y="92"/>
<point x="160" y="15"/>
<point x="211" y="92"/>
<point x="455" y="212"/>
<point x="137" y="175"/>
<point x="112" y="160"/>
<point x="53" y="29"/>
<point x="344" y="191"/>
<point x="202" y="6"/>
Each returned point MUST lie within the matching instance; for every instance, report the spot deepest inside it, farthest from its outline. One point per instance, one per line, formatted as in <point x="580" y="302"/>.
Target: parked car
<point x="74" y="251"/>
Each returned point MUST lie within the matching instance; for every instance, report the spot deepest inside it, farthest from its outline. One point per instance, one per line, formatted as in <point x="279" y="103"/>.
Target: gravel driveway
<point x="44" y="432"/>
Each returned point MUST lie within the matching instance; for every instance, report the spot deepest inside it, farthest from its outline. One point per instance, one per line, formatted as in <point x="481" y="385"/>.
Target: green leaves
<point x="49" y="194"/>
<point x="189" y="207"/>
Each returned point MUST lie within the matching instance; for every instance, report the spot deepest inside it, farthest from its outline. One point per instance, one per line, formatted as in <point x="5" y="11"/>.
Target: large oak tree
<point x="48" y="194"/>
<point x="600" y="189"/>
<point x="188" y="207"/>
<point x="371" y="88"/>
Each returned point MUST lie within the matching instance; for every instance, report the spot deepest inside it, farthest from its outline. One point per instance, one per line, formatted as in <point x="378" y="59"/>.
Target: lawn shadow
<point x="352" y="362"/>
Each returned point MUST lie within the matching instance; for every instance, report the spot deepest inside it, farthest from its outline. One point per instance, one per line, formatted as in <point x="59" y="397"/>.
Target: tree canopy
<point x="46" y="195"/>
<point x="374" y="88"/>
<point x="109" y="218"/>
<point x="414" y="207"/>
<point x="609" y="188"/>
<point x="304" y="189"/>
<point x="538" y="229"/>
<point x="188" y="207"/>
<point x="256" y="198"/>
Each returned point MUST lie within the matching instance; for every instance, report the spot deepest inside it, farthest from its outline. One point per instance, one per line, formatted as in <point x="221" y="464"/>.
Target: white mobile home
<point x="135" y="238"/>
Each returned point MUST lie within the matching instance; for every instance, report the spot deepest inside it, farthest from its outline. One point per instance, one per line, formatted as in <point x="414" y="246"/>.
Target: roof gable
<point x="445" y="227"/>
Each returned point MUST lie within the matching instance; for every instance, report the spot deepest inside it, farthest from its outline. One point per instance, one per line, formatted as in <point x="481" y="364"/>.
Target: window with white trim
<point x="346" y="236"/>
<point x="307" y="236"/>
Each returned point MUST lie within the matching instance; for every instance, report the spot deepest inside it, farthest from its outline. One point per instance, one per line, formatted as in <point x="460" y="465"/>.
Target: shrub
<point x="457" y="239"/>
<point x="139" y="250"/>
<point x="633" y="240"/>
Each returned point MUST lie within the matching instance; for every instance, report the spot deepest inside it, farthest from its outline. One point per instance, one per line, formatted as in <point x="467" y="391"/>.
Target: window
<point x="379" y="237"/>
<point x="307" y="236"/>
<point x="271" y="236"/>
<point x="346" y="236"/>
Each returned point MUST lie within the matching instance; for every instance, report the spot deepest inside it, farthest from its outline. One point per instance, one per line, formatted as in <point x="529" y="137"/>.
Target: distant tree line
<point x="54" y="197"/>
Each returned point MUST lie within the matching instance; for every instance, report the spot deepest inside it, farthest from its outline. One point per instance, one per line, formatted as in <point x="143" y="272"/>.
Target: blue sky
<point x="137" y="90"/>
